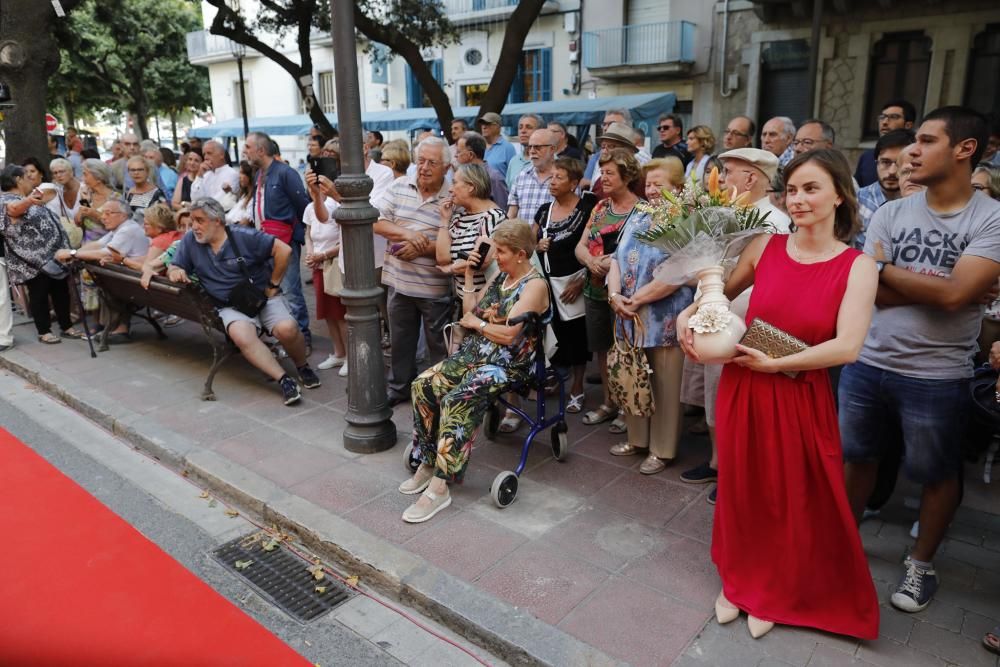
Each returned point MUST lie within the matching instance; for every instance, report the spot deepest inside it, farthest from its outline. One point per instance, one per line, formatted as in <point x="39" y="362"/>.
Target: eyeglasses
<point x="804" y="143"/>
<point x="890" y="116"/>
<point x="433" y="164"/>
<point x="140" y="170"/>
<point x="735" y="133"/>
<point x="664" y="128"/>
<point x="538" y="147"/>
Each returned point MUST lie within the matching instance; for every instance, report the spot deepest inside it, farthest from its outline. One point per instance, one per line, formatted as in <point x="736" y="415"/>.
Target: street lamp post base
<point x="370" y="438"/>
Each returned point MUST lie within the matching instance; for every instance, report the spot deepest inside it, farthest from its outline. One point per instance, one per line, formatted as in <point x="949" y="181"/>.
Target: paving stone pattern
<point x="617" y="559"/>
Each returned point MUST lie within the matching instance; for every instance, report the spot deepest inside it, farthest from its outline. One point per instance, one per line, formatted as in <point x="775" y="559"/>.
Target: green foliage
<point x="129" y="55"/>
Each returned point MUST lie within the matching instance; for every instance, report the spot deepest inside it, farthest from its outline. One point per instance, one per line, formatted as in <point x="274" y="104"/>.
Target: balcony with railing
<point x="465" y="12"/>
<point x="640" y="50"/>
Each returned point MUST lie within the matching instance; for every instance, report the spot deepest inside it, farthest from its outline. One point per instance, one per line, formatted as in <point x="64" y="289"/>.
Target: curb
<point x="511" y="633"/>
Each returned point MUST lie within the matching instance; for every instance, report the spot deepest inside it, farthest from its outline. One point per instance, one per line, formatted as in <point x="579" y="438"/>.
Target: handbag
<point x="629" y="371"/>
<point x="74" y="233"/>
<point x="772" y="341"/>
<point x="333" y="278"/>
<point x="246" y="297"/>
<point x="278" y="229"/>
<point x="567" y="311"/>
<point x="52" y="267"/>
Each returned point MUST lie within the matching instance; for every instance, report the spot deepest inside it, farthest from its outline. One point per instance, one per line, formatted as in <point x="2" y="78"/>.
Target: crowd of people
<point x="887" y="271"/>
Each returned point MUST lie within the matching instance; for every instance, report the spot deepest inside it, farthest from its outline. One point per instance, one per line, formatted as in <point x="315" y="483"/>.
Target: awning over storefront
<point x="644" y="108"/>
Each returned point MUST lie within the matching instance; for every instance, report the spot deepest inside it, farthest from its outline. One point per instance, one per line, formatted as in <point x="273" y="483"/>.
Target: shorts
<point x="273" y="312"/>
<point x="878" y="407"/>
<point x="600" y="325"/>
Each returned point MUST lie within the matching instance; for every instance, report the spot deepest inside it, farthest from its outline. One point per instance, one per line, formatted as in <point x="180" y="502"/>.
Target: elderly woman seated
<point x="451" y="398"/>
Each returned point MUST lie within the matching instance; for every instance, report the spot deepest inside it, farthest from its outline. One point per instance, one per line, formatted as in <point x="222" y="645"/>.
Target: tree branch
<point x="513" y="43"/>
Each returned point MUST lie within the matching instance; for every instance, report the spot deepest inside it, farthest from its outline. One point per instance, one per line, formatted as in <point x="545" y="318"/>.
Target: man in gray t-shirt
<point x="938" y="254"/>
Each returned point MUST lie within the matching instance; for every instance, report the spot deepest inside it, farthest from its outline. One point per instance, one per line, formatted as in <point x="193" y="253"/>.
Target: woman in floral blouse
<point x="635" y="295"/>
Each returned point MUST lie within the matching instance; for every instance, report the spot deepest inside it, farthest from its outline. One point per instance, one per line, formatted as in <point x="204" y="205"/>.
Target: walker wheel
<point x="492" y="425"/>
<point x="411" y="458"/>
<point x="504" y="489"/>
<point x="560" y="442"/>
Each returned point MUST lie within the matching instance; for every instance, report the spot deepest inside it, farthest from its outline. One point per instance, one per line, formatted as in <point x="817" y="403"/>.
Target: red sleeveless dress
<point x="784" y="539"/>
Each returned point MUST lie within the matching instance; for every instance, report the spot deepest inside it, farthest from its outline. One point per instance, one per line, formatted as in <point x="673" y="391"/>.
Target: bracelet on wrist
<point x="469" y="291"/>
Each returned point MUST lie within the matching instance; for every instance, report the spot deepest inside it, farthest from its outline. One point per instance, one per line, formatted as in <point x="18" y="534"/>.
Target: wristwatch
<point x="72" y="253"/>
<point x="482" y="324"/>
<point x="272" y="285"/>
<point x="879" y="265"/>
<point x="611" y="297"/>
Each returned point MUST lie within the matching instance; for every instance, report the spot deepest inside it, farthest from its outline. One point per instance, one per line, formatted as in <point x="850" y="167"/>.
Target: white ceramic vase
<point x="719" y="346"/>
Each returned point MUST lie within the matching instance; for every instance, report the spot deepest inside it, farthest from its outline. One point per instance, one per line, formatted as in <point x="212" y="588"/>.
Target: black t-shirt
<point x="675" y="151"/>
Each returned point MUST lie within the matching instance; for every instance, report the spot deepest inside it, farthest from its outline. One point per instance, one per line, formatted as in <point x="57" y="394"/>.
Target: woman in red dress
<point x="784" y="539"/>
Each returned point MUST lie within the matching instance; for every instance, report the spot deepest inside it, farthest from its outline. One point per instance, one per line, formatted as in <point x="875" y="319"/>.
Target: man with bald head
<point x="777" y="136"/>
<point x="217" y="177"/>
<point x="739" y="133"/>
<point x="813" y="134"/>
<point x="531" y="189"/>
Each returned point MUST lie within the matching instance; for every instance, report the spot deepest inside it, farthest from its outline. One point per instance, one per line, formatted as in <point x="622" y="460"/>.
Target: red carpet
<point x="80" y="587"/>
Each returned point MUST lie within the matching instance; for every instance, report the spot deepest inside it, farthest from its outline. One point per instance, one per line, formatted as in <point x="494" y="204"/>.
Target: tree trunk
<point x="506" y="68"/>
<point x="26" y="67"/>
<point x="173" y="130"/>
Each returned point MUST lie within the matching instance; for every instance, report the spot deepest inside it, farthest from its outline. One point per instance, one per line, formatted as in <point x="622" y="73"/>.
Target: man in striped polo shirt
<point x="418" y="292"/>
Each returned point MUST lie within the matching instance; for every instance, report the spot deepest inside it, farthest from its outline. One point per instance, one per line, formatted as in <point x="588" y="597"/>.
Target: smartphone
<point x="483" y="250"/>
<point x="395" y="248"/>
<point x="325" y="166"/>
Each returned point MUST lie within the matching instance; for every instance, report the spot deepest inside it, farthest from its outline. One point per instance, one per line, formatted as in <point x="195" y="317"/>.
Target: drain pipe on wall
<point x="814" y="55"/>
<point x="723" y="91"/>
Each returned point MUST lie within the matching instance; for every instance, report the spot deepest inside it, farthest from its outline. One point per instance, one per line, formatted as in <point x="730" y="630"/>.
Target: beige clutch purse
<point x="772" y="341"/>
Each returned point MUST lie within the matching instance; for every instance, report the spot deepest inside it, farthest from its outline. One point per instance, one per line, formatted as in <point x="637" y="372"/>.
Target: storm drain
<point x="281" y="577"/>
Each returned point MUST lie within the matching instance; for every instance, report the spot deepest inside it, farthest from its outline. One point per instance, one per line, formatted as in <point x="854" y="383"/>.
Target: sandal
<point x="73" y="332"/>
<point x="627" y="449"/>
<point x="991" y="640"/>
<point x="49" y="338"/>
<point x="511" y="422"/>
<point x="618" y="426"/>
<point x="575" y="403"/>
<point x="600" y="415"/>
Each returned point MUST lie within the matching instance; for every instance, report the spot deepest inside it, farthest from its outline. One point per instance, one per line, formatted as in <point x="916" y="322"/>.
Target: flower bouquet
<point x="704" y="229"/>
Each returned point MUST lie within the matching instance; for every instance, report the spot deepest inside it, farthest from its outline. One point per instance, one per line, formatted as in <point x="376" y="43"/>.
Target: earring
<point x="520" y="261"/>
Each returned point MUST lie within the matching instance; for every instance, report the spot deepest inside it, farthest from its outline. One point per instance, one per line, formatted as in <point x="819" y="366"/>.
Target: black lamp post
<point x="239" y="52"/>
<point x="369" y="418"/>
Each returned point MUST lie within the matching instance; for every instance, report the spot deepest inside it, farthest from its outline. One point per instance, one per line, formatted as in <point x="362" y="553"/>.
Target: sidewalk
<point x="593" y="564"/>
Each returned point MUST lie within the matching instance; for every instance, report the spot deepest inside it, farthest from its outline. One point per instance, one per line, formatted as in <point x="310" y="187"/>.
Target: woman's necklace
<point x="799" y="257"/>
<point x="611" y="207"/>
<point x="517" y="282"/>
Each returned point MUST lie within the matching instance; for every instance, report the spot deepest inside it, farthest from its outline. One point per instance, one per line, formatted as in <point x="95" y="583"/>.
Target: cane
<point x="74" y="278"/>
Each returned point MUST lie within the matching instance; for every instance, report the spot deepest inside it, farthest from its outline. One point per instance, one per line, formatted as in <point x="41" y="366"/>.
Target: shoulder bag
<point x="247" y="297"/>
<point x="629" y="371"/>
<point x="567" y="311"/>
<point x="333" y="278"/>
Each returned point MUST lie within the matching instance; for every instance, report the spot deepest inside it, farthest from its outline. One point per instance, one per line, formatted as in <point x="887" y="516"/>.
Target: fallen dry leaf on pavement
<point x="352" y="581"/>
<point x="270" y="545"/>
<point x="317" y="572"/>
<point x="243" y="564"/>
<point x="231" y="513"/>
<point x="321" y="589"/>
<point x="204" y="494"/>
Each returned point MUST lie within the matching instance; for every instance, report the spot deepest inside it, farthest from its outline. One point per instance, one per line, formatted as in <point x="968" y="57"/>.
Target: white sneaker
<point x="331" y="361"/>
<point x="343" y="370"/>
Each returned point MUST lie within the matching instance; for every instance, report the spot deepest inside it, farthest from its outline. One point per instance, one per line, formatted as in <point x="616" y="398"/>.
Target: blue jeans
<point x="291" y="287"/>
<point x="878" y="407"/>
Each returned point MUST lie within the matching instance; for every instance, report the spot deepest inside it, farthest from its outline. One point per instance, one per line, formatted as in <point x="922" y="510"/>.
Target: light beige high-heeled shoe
<point x="725" y="612"/>
<point x="758" y="628"/>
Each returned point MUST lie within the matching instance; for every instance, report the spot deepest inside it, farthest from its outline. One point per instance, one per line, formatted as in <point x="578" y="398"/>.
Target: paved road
<point x="167" y="510"/>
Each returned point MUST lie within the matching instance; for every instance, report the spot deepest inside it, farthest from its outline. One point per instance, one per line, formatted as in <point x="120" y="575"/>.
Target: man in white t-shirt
<point x="938" y="255"/>
<point x="216" y="179"/>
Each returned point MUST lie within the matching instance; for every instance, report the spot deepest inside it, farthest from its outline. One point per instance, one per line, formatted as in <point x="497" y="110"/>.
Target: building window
<point x="325" y="93"/>
<point x="533" y="81"/>
<point x="784" y="80"/>
<point x="415" y="95"/>
<point x="237" y="102"/>
<point x="981" y="90"/>
<point x="899" y="67"/>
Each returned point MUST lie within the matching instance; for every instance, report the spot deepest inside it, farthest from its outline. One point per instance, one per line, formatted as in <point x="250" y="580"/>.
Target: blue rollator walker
<point x="503" y="490"/>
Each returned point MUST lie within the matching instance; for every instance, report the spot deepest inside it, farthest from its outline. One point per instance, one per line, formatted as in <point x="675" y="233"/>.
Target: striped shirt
<point x="403" y="206"/>
<point x="870" y="199"/>
<point x="528" y="193"/>
<point x="464" y="230"/>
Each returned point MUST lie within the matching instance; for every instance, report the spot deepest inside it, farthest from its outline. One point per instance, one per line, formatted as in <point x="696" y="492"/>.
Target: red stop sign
<point x="50" y="123"/>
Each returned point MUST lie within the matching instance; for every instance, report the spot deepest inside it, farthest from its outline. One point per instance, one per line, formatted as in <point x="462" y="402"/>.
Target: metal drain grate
<point x="281" y="577"/>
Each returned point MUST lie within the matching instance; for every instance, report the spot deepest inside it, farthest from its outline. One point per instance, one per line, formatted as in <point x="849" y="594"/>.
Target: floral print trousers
<point x="450" y="401"/>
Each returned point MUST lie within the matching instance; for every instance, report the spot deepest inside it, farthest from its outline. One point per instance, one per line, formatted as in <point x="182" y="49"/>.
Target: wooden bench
<point x="122" y="291"/>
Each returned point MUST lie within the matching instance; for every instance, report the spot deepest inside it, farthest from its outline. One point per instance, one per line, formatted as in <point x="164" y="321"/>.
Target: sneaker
<point x="916" y="589"/>
<point x="4" y="348"/>
<point x="331" y="361"/>
<point x="343" y="371"/>
<point x="702" y="474"/>
<point x="712" y="496"/>
<point x="309" y="378"/>
<point x="417" y="514"/>
<point x="290" y="390"/>
<point x="419" y="481"/>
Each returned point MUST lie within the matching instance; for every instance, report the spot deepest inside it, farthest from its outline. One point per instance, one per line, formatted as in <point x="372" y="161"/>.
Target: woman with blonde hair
<point x="451" y="398"/>
<point x="701" y="143"/>
<point x="160" y="226"/>
<point x="396" y="156"/>
<point x="144" y="193"/>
